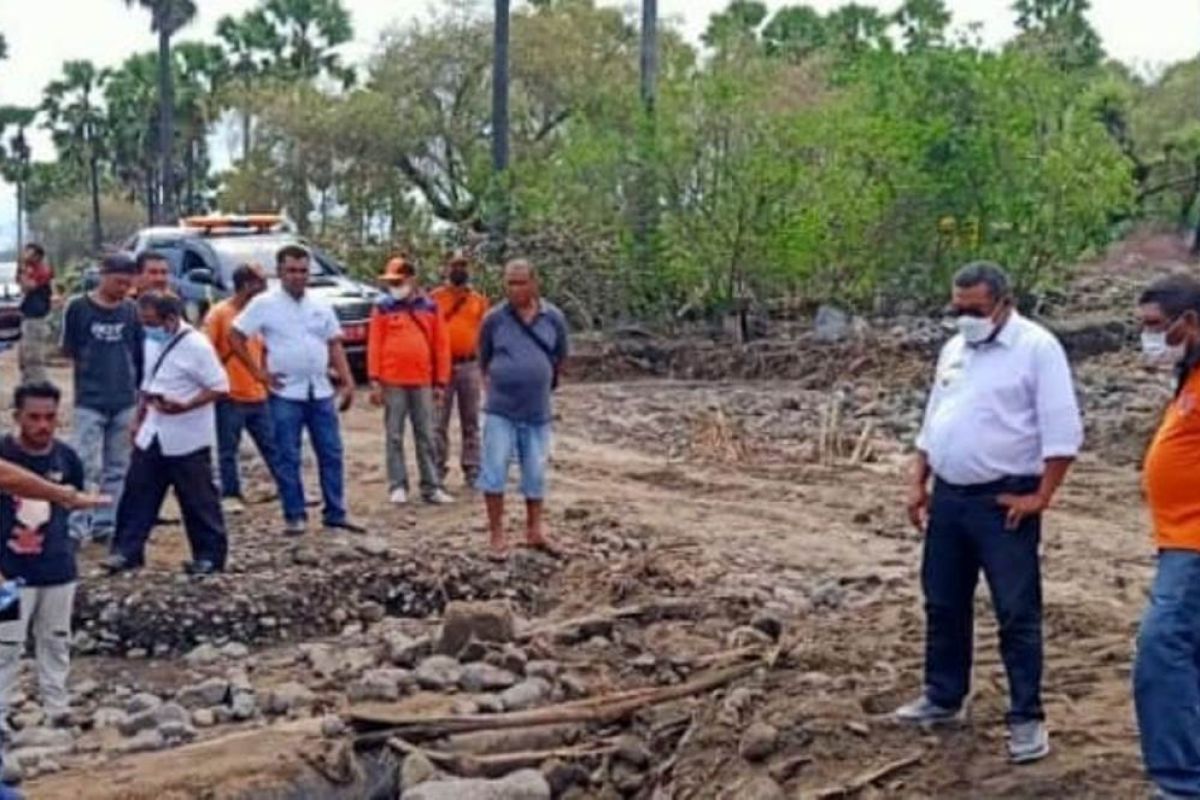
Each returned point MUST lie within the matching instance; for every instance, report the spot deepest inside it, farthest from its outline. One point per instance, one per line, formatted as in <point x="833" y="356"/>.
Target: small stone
<point x="203" y="655"/>
<point x="28" y="719"/>
<point x="372" y="545"/>
<point x="547" y="670"/>
<point x="288" y="697"/>
<point x="526" y="694"/>
<point x="108" y="718"/>
<point x="415" y="770"/>
<point x="574" y="685"/>
<point x="177" y="731"/>
<point x="235" y="651"/>
<point x="371" y="611"/>
<point x="483" y="677"/>
<point x="204" y="718"/>
<point x="472" y="651"/>
<point x="484" y="622"/>
<point x="563" y="775"/>
<point x="144" y="742"/>
<point x="321" y="658"/>
<point x="42" y="737"/>
<point x="757" y="787"/>
<point x="333" y="727"/>
<point x="526" y="784"/>
<point x="769" y="623"/>
<point x="403" y="651"/>
<point x="212" y="692"/>
<point x="489" y="703"/>
<point x="439" y="673"/>
<point x="511" y="658"/>
<point x="633" y="751"/>
<point x="244" y="706"/>
<point x="143" y="701"/>
<point x="137" y="653"/>
<point x="626" y="778"/>
<point x="858" y="728"/>
<point x="759" y="742"/>
<point x="382" y="684"/>
<point x="86" y="688"/>
<point x="646" y="662"/>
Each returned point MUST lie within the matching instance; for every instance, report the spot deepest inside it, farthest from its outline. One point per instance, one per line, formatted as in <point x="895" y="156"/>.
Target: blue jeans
<point x="505" y="441"/>
<point x="320" y="418"/>
<point x="101" y="438"/>
<point x="232" y="418"/>
<point x="1166" y="675"/>
<point x="966" y="534"/>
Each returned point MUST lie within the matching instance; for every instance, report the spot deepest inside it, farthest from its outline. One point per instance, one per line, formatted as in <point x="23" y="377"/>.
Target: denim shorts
<point x="505" y="441"/>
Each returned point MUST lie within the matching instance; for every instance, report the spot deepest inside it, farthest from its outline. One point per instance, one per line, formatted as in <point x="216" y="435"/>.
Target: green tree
<point x="132" y="129"/>
<point x="310" y="32"/>
<point x="923" y="23"/>
<point x="1060" y="31"/>
<point x="167" y="17"/>
<point x="15" y="157"/>
<point x="795" y="32"/>
<point x="740" y="20"/>
<point x="251" y="44"/>
<point x="76" y="120"/>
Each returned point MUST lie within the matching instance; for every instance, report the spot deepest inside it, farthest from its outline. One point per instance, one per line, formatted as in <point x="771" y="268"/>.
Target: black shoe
<point x="201" y="566"/>
<point x="345" y="525"/>
<point x="116" y="563"/>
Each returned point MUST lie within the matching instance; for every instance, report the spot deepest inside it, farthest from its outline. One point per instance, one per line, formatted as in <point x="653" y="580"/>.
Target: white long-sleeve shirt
<point x="1001" y="409"/>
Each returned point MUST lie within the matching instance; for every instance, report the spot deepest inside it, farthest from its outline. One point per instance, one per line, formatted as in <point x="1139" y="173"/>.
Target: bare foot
<point x="538" y="541"/>
<point x="497" y="548"/>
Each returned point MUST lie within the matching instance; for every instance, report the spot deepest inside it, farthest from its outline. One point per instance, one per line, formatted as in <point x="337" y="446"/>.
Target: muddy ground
<point x="748" y="497"/>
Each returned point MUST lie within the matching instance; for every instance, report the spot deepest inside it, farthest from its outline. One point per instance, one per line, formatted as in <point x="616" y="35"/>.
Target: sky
<point x="42" y="34"/>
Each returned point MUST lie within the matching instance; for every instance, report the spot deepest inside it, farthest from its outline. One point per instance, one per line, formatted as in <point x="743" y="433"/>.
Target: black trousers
<point x="150" y="475"/>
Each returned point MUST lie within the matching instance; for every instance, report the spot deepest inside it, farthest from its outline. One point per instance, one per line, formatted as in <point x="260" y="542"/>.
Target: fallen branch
<point x="865" y="779"/>
<point x="599" y="709"/>
<point x="499" y="763"/>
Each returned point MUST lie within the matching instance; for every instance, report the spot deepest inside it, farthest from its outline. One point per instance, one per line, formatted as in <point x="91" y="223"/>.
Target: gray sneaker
<point x="1028" y="742"/>
<point x="924" y="711"/>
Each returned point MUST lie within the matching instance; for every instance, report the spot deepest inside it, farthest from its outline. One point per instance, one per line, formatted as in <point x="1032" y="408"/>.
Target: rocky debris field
<point x="737" y="611"/>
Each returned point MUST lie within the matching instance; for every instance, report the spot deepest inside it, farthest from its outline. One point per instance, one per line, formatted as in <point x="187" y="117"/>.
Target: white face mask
<point x="975" y="330"/>
<point x="1156" y="350"/>
<point x="401" y="292"/>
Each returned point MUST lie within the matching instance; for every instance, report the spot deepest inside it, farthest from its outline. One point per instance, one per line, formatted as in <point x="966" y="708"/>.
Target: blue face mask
<point x="158" y="335"/>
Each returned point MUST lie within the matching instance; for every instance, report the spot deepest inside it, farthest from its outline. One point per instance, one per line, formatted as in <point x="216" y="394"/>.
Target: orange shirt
<point x="242" y="385"/>
<point x="406" y="344"/>
<point x="463" y="310"/>
<point x="1171" y="474"/>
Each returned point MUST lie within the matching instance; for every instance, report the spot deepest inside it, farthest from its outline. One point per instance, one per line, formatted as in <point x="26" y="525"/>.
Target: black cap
<point x="118" y="264"/>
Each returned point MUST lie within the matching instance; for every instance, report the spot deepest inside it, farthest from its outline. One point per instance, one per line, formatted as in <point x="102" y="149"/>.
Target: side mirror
<point x="202" y="276"/>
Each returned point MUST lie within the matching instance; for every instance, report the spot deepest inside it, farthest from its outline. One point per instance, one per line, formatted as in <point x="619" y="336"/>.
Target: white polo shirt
<point x="297" y="334"/>
<point x="189" y="368"/>
<point x="1001" y="409"/>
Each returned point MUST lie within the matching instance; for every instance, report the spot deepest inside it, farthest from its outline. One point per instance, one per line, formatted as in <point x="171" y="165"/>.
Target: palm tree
<point x="167" y="17"/>
<point x="251" y="43"/>
<point x="14" y="166"/>
<point x="77" y="126"/>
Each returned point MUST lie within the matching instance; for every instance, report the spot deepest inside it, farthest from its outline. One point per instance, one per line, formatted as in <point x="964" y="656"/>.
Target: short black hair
<point x="163" y="303"/>
<point x="37" y="389"/>
<point x="37" y="248"/>
<point x="147" y="256"/>
<point x="118" y="264"/>
<point x="291" y="251"/>
<point x="1174" y="294"/>
<point x="988" y="273"/>
<point x="244" y="275"/>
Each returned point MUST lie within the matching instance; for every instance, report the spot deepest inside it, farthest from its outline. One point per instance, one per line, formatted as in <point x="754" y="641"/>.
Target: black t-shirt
<point x="106" y="344"/>
<point x="35" y="539"/>
<point x="36" y="302"/>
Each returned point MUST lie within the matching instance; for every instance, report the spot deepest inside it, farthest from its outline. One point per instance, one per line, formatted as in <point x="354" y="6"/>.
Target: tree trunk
<point x="94" y="169"/>
<point x="247" y="140"/>
<point x="499" y="222"/>
<point x="166" y="125"/>
<point x="645" y="209"/>
<point x="190" y="166"/>
<point x="20" y="215"/>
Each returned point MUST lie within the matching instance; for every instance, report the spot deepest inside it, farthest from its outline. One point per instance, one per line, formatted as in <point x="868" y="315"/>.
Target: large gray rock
<point x="526" y="784"/>
<point x="153" y="718"/>
<point x="244" y="706"/>
<point x="382" y="684"/>
<point x="439" y="673"/>
<point x="142" y="701"/>
<point x="203" y="655"/>
<point x="212" y="692"/>
<point x="42" y="738"/>
<point x="483" y="677"/>
<point x="482" y="621"/>
<point x="831" y="324"/>
<point x="404" y="651"/>
<point x="415" y="770"/>
<point x="144" y="742"/>
<point x="759" y="741"/>
<point x="526" y="694"/>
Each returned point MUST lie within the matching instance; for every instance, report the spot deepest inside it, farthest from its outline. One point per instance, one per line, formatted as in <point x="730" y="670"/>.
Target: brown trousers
<point x="465" y="389"/>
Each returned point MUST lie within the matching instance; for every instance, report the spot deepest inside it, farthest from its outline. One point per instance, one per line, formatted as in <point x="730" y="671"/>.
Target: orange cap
<point x="397" y="269"/>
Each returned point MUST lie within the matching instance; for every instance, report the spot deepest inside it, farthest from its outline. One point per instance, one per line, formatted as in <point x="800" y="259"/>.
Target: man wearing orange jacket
<point x="463" y="310"/>
<point x="408" y="362"/>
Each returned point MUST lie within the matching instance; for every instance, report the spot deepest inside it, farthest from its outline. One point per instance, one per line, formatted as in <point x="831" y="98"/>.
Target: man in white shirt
<point x="175" y="431"/>
<point x="1001" y="430"/>
<point x="302" y="337"/>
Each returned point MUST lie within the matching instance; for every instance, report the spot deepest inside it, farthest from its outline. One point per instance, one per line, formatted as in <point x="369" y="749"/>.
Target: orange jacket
<point x="407" y="344"/>
<point x="463" y="309"/>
